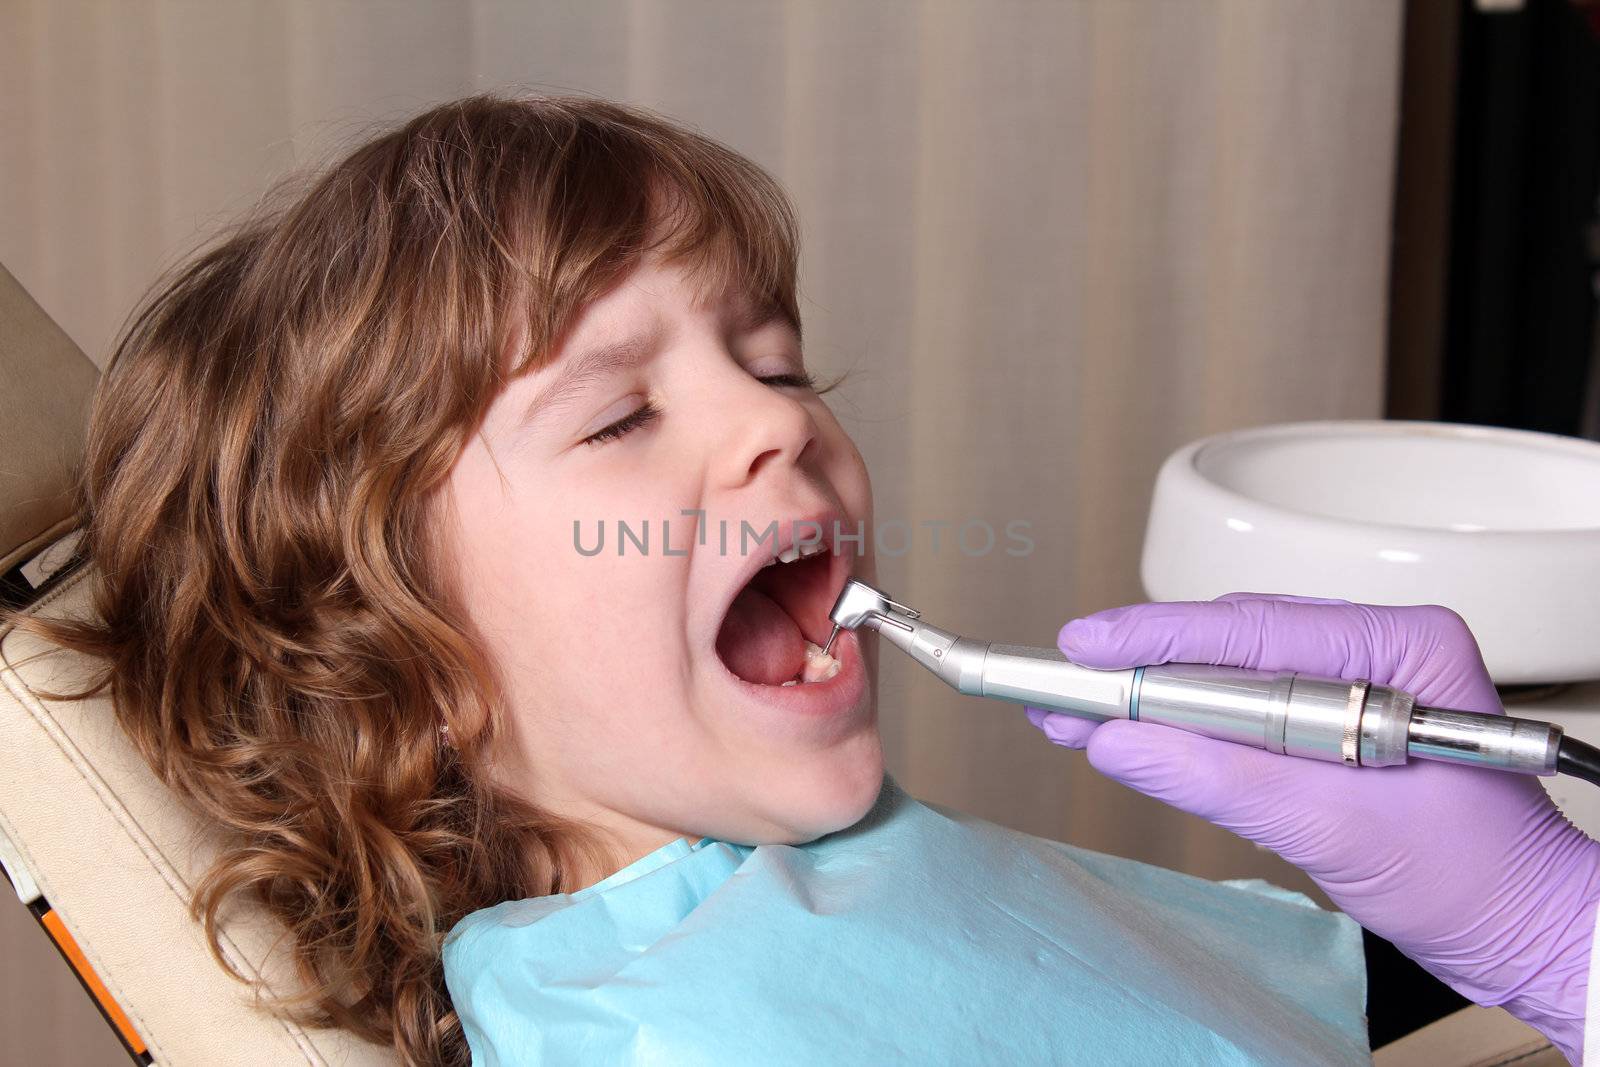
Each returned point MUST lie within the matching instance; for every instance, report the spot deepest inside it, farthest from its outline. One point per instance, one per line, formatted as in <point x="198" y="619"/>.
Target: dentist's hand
<point x="1473" y="873"/>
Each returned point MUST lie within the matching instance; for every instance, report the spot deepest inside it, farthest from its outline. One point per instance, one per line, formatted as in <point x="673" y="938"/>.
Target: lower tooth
<point x="819" y="665"/>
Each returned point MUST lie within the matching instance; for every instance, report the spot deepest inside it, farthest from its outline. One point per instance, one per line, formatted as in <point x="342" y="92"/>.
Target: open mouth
<point x="774" y="629"/>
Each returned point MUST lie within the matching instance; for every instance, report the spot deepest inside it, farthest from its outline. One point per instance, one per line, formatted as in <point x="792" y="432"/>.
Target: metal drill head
<point x="857" y="602"/>
<point x="860" y="603"/>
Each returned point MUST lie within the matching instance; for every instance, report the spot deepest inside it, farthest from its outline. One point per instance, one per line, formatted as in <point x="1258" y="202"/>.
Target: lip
<point x="814" y="700"/>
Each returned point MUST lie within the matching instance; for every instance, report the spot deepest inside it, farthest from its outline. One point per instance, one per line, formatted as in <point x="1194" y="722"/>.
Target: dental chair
<point x="105" y="857"/>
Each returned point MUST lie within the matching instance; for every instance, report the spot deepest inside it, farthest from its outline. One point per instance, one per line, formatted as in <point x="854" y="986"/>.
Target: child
<point x="346" y="478"/>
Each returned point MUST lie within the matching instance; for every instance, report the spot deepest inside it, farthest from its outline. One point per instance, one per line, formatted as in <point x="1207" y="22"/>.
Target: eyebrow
<point x="753" y="316"/>
<point x="608" y="358"/>
<point x="590" y="365"/>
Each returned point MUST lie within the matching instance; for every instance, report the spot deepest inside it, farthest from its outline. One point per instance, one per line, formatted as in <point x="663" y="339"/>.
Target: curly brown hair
<point x="273" y="598"/>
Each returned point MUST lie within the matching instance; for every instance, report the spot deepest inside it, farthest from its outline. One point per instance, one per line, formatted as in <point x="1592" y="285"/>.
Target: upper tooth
<point x="794" y="552"/>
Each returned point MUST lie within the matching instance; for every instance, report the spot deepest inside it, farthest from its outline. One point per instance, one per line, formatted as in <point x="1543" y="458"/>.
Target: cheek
<point x="585" y="634"/>
<point x="848" y="472"/>
<point x="576" y="612"/>
<point x="847" y="467"/>
<point x="860" y="485"/>
<point x="523" y="577"/>
<point x="592" y="649"/>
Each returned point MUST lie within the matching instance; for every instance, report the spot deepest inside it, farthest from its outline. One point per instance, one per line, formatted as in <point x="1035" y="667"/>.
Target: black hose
<point x="1578" y="759"/>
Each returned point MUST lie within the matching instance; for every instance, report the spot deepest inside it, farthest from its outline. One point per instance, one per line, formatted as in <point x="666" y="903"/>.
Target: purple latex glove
<point x="1473" y="873"/>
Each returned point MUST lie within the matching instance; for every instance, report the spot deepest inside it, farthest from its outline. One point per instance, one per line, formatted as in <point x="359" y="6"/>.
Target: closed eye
<point x="643" y="415"/>
<point x="801" y="380"/>
<point x="647" y="413"/>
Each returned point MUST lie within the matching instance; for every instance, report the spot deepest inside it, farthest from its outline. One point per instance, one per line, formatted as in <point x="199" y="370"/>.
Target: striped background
<point x="1052" y="241"/>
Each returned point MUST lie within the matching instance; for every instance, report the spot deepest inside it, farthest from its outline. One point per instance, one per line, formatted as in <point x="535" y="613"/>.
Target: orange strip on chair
<point x="69" y="948"/>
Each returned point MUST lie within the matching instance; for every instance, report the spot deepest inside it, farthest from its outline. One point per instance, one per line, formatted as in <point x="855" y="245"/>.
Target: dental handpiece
<point x="1354" y="723"/>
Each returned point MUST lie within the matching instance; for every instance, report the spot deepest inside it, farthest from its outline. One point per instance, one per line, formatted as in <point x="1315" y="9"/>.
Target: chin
<point x="834" y="798"/>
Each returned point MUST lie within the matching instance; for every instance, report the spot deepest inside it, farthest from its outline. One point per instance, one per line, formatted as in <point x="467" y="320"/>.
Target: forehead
<point x="624" y="325"/>
<point x="719" y="276"/>
<point x="649" y="297"/>
<point x="655" y="284"/>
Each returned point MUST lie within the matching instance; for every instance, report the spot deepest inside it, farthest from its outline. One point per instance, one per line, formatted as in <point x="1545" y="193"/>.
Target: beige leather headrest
<point x="81" y="814"/>
<point x="46" y="383"/>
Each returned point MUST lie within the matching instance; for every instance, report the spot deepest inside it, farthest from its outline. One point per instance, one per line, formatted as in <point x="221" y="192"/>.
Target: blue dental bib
<point x="916" y="936"/>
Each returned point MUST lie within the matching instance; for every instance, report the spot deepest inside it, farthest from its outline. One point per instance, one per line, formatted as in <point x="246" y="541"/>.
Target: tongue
<point x="759" y="641"/>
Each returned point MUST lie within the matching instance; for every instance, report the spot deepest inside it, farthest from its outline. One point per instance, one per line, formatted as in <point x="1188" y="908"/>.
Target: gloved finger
<point x="1253" y="633"/>
<point x="1423" y="649"/>
<point x="1234" y="786"/>
<point x="1287" y="598"/>
<point x="1068" y="731"/>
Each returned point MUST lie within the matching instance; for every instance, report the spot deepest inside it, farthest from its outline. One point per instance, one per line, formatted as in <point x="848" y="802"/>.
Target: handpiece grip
<point x="1045" y="678"/>
<point x="1342" y="722"/>
<point x="1354" y="723"/>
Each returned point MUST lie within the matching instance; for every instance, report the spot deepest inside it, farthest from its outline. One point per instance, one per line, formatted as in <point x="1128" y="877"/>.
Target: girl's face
<point x="677" y="415"/>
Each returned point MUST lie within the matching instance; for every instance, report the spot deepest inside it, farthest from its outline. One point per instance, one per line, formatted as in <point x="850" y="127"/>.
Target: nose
<point x="763" y="426"/>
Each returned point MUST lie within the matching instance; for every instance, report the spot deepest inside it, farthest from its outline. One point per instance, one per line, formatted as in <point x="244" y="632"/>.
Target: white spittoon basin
<point x="1503" y="526"/>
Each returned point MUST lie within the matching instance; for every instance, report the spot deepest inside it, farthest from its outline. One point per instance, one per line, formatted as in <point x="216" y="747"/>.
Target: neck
<point x="612" y="843"/>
